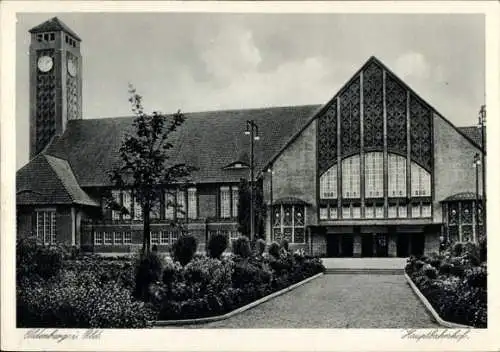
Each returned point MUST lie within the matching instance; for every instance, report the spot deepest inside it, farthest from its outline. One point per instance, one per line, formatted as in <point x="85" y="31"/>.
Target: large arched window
<point x="350" y="177"/>
<point x="328" y="184"/>
<point x="397" y="175"/>
<point x="420" y="181"/>
<point x="374" y="175"/>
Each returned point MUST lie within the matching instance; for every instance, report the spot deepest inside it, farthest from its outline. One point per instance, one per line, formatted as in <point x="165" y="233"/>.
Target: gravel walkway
<point x="337" y="301"/>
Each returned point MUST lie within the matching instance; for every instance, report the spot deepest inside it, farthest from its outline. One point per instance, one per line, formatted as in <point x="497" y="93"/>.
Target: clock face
<point x="45" y="63"/>
<point x="72" y="67"/>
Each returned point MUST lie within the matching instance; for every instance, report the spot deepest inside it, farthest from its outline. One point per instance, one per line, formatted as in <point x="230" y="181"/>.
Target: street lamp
<point x="252" y="131"/>
<point x="271" y="172"/>
<point x="482" y="124"/>
<point x="477" y="163"/>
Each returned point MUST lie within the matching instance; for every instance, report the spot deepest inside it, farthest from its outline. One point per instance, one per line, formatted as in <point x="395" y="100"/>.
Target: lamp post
<point x="477" y="162"/>
<point x="271" y="172"/>
<point x="482" y="124"/>
<point x="252" y="131"/>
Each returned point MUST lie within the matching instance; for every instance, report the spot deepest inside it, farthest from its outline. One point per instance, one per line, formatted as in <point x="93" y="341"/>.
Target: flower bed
<point x="57" y="289"/>
<point x="455" y="286"/>
<point x="209" y="287"/>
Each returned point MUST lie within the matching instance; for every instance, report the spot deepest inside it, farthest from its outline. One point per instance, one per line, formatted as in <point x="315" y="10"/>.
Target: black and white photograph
<point x="181" y="172"/>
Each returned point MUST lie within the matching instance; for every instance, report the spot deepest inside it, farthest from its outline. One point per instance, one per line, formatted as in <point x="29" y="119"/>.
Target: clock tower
<point x="55" y="82"/>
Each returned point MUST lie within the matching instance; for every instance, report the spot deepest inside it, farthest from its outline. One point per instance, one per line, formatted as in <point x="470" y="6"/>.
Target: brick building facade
<point x="376" y="171"/>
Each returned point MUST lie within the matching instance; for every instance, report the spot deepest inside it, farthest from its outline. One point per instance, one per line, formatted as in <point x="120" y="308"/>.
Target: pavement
<point x="364" y="263"/>
<point x="337" y="301"/>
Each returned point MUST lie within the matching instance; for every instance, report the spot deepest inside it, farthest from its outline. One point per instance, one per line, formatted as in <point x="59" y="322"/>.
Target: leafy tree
<point x="145" y="165"/>
<point x="244" y="209"/>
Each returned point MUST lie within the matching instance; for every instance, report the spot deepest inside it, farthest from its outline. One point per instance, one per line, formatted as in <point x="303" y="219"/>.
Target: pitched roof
<point x="462" y="196"/>
<point x="48" y="180"/>
<point x="474" y="133"/>
<point x="209" y="141"/>
<point x="54" y="24"/>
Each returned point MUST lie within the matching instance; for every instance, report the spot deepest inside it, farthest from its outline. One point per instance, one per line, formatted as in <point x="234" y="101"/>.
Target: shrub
<point x="483" y="249"/>
<point x="149" y="270"/>
<point x="261" y="246"/>
<point x="445" y="269"/>
<point x="274" y="250"/>
<point x="457" y="270"/>
<point x="419" y="264"/>
<point x="217" y="245"/>
<point x="457" y="249"/>
<point x="241" y="247"/>
<point x="284" y="244"/>
<point x="476" y="277"/>
<point x="430" y="271"/>
<point x="70" y="304"/>
<point x="184" y="249"/>
<point x="33" y="259"/>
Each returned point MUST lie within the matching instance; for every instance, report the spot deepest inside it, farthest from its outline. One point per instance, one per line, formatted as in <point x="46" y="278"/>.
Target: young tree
<point x="145" y="160"/>
<point x="244" y="209"/>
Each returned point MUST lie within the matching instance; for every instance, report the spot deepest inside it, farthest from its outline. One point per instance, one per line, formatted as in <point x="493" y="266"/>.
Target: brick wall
<point x="454" y="171"/>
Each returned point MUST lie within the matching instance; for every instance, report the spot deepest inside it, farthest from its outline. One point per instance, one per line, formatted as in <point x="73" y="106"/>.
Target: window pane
<point x="379" y="212"/>
<point x="415" y="210"/>
<point x="392" y="211"/>
<point x="277" y="235"/>
<point x="328" y="184"/>
<point x="287" y="216"/>
<point x="333" y="212"/>
<point x="277" y="216"/>
<point x="350" y="177"/>
<point x="155" y="238"/>
<point x="420" y="181"/>
<point x="169" y="204"/>
<point x="224" y="202"/>
<point x="369" y="211"/>
<point x="402" y="211"/>
<point x="98" y="238"/>
<point x="356" y="212"/>
<point x="115" y="194"/>
<point x="287" y="234"/>
<point x="181" y="204"/>
<point x="323" y="212"/>
<point x="117" y="238"/>
<point x="298" y="212"/>
<point x="108" y="238"/>
<point x="346" y="212"/>
<point x="127" y="203"/>
<point x="192" y="206"/>
<point x="397" y="175"/>
<point x="127" y="239"/>
<point x="426" y="210"/>
<point x="137" y="209"/>
<point x="299" y="235"/>
<point x="374" y="175"/>
<point x="53" y="227"/>
<point x="164" y="237"/>
<point x="235" y="200"/>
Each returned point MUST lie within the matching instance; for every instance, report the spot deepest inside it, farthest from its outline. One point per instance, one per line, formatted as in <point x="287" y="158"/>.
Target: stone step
<point x="373" y="271"/>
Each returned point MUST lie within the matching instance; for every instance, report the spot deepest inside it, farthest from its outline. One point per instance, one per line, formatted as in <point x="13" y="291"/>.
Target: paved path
<point x="364" y="263"/>
<point x="337" y="301"/>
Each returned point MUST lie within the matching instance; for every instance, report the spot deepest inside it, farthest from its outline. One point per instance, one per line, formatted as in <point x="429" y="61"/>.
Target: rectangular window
<point x="350" y="177"/>
<point x="356" y="212"/>
<point x="117" y="238"/>
<point x="174" y="235"/>
<point x="108" y="238"/>
<point x="46" y="226"/>
<point x="346" y="212"/>
<point x="328" y="184"/>
<point x="115" y="214"/>
<point x="98" y="238"/>
<point x="192" y="203"/>
<point x="415" y="211"/>
<point x="323" y="212"/>
<point x="369" y="211"/>
<point x="397" y="175"/>
<point x="402" y="211"/>
<point x="155" y="211"/>
<point x="181" y="204"/>
<point x="127" y="238"/>
<point x="379" y="211"/>
<point x="392" y="211"/>
<point x="137" y="209"/>
<point x="420" y="181"/>
<point x="333" y="212"/>
<point x="169" y="204"/>
<point x="426" y="211"/>
<point x="374" y="175"/>
<point x="127" y="204"/>
<point x="224" y="202"/>
<point x="155" y="238"/>
<point x="165" y="237"/>
<point x="235" y="201"/>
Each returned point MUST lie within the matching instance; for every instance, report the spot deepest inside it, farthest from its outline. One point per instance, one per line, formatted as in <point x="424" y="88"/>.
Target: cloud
<point x="412" y="64"/>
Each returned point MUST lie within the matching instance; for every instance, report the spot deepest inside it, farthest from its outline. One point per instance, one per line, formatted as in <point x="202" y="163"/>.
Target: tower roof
<point x="54" y="24"/>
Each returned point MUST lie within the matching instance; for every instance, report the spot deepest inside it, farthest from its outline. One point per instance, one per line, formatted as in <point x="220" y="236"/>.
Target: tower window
<point x="52" y="36"/>
<point x="46" y="37"/>
<point x="39" y="37"/>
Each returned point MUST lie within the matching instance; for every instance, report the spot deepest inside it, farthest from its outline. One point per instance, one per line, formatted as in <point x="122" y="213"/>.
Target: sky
<point x="200" y="61"/>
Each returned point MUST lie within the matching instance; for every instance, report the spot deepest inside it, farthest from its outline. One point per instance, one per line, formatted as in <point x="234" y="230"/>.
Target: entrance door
<point x="403" y="245"/>
<point x="381" y="245"/>
<point x="367" y="245"/>
<point x="346" y="245"/>
<point x="417" y="244"/>
<point x="332" y="245"/>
